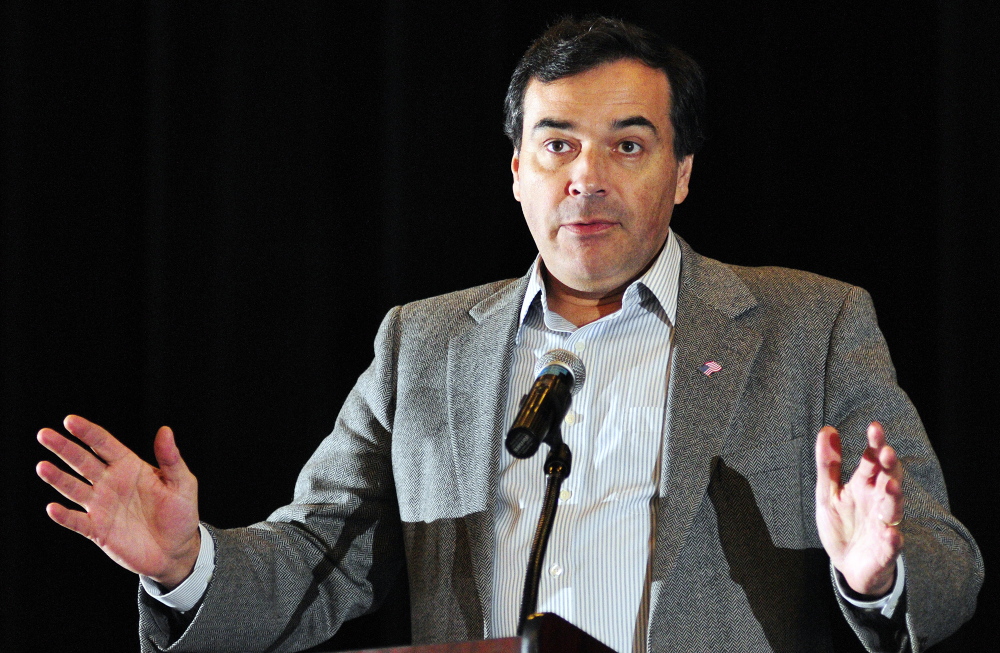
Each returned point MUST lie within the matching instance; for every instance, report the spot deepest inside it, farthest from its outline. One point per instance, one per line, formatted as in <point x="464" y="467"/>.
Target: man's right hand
<point x="144" y="518"/>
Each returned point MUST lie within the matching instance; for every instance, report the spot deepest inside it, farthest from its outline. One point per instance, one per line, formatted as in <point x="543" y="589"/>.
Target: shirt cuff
<point x="887" y="604"/>
<point x="186" y="595"/>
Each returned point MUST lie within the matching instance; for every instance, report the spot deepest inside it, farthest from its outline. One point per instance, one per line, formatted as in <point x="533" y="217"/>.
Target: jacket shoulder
<point x="459" y="308"/>
<point x="736" y="289"/>
<point x="777" y="284"/>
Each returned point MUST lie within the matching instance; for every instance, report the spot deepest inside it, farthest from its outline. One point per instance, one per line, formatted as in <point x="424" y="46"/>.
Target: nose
<point x="588" y="175"/>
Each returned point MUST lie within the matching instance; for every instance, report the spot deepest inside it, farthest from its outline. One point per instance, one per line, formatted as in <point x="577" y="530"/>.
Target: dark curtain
<point x="208" y="207"/>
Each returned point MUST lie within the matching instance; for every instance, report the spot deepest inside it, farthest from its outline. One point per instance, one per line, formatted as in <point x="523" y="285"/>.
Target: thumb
<point x="168" y="457"/>
<point x="828" y="462"/>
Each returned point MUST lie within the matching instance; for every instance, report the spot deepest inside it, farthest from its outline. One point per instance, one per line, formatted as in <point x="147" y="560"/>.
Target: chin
<point x="598" y="283"/>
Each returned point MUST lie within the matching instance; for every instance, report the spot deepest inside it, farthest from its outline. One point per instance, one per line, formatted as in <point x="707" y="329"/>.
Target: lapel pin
<point x="710" y="368"/>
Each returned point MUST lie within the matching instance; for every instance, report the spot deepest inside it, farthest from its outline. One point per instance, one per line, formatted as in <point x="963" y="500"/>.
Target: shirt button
<point x="565" y="495"/>
<point x="556" y="570"/>
<point x="580" y="345"/>
<point x="572" y="418"/>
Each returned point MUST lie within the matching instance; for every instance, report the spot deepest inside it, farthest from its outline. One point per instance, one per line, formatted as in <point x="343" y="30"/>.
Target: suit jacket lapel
<point x="712" y="305"/>
<point x="479" y="360"/>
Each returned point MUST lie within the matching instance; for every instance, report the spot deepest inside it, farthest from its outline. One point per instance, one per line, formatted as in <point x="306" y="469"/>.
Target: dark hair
<point x="573" y="46"/>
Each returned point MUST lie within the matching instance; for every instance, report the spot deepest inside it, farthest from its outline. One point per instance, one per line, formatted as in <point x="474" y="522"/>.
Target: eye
<point x="629" y="147"/>
<point x="557" y="147"/>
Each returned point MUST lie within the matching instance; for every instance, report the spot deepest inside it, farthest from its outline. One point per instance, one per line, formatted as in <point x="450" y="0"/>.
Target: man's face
<point x="596" y="174"/>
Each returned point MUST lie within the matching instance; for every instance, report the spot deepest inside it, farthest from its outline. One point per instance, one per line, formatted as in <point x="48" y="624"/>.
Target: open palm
<point x="145" y="518"/>
<point x="858" y="522"/>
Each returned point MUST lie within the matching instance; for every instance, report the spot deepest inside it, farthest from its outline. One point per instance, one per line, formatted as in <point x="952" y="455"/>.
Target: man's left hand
<point x="859" y="522"/>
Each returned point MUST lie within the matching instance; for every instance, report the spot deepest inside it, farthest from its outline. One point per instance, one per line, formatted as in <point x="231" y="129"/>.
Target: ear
<point x="683" y="178"/>
<point x="515" y="163"/>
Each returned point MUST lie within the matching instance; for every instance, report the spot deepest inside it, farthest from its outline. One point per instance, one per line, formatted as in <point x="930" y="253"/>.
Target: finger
<point x="79" y="459"/>
<point x="888" y="472"/>
<point x="168" y="457"/>
<point x="74" y="520"/>
<point x="828" y="461"/>
<point x="66" y="484"/>
<point x="892" y="502"/>
<point x="889" y="467"/>
<point x="891" y="513"/>
<point x="103" y="443"/>
<point x="876" y="435"/>
<point x="889" y="461"/>
<point x="867" y="470"/>
<point x="869" y="466"/>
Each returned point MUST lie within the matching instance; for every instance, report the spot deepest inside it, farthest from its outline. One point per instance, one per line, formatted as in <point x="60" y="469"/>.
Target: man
<point x="699" y="515"/>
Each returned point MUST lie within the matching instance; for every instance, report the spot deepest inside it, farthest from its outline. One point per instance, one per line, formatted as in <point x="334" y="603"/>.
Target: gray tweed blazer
<point x="409" y="472"/>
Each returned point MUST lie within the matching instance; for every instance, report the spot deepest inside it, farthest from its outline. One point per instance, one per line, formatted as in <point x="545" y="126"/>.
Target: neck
<point x="580" y="307"/>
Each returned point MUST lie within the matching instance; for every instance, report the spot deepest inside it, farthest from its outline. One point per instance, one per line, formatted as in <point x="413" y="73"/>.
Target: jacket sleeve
<point x="288" y="583"/>
<point x="944" y="568"/>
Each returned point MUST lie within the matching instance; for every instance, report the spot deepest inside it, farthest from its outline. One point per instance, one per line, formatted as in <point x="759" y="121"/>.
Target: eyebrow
<point x="623" y="123"/>
<point x="634" y="121"/>
<point x="552" y="123"/>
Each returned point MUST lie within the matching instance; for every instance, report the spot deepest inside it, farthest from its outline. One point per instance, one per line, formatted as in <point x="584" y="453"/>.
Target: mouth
<point x="588" y="228"/>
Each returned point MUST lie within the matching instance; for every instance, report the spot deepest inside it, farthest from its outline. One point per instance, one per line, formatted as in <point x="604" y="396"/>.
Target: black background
<point x="207" y="209"/>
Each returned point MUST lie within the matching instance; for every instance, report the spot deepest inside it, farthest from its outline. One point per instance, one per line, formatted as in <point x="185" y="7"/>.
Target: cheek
<point x="539" y="235"/>
<point x="539" y="197"/>
<point x="659" y="198"/>
<point x="535" y="219"/>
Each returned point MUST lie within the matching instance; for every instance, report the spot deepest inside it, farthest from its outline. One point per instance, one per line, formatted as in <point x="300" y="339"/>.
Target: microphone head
<point x="566" y="359"/>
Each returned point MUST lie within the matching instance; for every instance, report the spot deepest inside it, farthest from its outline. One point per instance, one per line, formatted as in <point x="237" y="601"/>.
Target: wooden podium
<point x="544" y="633"/>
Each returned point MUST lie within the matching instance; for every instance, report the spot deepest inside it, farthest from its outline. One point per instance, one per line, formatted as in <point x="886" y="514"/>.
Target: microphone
<point x="559" y="374"/>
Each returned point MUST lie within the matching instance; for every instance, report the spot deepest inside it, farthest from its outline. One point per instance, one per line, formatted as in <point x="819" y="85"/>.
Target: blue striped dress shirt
<point x="597" y="568"/>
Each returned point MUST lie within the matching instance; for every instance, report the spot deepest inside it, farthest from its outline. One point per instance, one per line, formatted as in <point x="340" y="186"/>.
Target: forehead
<point x="601" y="95"/>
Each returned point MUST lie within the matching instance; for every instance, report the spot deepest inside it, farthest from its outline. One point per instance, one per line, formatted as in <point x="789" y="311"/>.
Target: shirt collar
<point x="661" y="280"/>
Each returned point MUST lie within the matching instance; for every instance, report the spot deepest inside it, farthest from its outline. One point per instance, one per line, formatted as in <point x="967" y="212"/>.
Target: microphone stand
<point x="557" y="468"/>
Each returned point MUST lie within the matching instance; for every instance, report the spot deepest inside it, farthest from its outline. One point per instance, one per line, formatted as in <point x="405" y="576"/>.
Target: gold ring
<point x="894" y="523"/>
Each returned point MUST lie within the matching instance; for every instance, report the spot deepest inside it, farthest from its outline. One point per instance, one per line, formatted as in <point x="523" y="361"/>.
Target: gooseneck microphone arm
<point x="557" y="468"/>
<point x="542" y="410"/>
